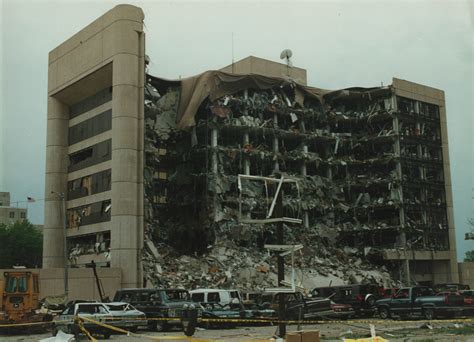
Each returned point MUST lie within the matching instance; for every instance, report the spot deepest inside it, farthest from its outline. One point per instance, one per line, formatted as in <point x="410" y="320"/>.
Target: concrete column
<point x="55" y="180"/>
<point x="276" y="165"/>
<point x="246" y="159"/>
<point x="214" y="153"/>
<point x="303" y="165"/>
<point x="405" y="272"/>
<point x="398" y="167"/>
<point x="303" y="173"/>
<point x="127" y="162"/>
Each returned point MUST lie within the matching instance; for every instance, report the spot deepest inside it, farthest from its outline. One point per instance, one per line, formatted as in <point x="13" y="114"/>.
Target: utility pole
<point x="62" y="197"/>
<point x="281" y="266"/>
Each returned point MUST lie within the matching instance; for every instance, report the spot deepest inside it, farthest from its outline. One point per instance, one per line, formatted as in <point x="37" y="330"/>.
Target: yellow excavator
<point x="19" y="298"/>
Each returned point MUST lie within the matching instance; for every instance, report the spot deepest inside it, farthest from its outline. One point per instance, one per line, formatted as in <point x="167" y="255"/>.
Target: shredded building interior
<point x="368" y="163"/>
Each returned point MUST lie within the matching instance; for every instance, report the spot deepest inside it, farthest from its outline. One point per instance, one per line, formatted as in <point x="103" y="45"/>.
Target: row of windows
<point x="91" y="127"/>
<point x="89" y="185"/>
<point x="89" y="214"/>
<point x="12" y="214"/>
<point x="91" y="155"/>
<point x="91" y="102"/>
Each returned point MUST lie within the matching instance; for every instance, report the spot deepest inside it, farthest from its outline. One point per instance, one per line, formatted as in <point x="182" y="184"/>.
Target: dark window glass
<point x="91" y="102"/>
<point x="89" y="185"/>
<point x="197" y="297"/>
<point x="91" y="127"/>
<point x="89" y="156"/>
<point x="22" y="284"/>
<point x="11" y="285"/>
<point x="12" y="214"/>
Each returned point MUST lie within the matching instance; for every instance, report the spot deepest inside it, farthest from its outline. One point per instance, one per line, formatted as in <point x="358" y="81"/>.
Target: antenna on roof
<point x="232" y="52"/>
<point x="286" y="54"/>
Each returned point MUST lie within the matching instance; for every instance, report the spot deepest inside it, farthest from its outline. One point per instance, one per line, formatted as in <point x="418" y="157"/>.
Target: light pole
<point x="66" y="277"/>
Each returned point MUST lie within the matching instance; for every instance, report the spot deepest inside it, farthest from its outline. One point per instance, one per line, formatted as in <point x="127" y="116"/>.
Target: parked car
<point x="221" y="311"/>
<point x="451" y="287"/>
<point x="126" y="316"/>
<point x="67" y="323"/>
<point x="361" y="297"/>
<point x="250" y="299"/>
<point x="420" y="301"/>
<point x="158" y="303"/>
<point x="341" y="311"/>
<point x="468" y="296"/>
<point x="220" y="296"/>
<point x="387" y="292"/>
<point x="297" y="306"/>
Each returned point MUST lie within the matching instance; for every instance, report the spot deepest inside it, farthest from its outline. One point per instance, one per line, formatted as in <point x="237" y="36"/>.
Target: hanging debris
<point x="342" y="147"/>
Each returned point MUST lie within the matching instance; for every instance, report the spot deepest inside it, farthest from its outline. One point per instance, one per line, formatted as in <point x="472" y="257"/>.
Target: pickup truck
<point x="158" y="303"/>
<point x="419" y="301"/>
<point x="297" y="306"/>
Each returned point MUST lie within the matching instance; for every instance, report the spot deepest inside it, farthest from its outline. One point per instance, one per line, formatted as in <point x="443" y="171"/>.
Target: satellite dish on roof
<point x="286" y="54"/>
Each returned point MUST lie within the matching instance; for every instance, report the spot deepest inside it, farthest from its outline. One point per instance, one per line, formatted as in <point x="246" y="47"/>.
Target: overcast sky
<point x="340" y="43"/>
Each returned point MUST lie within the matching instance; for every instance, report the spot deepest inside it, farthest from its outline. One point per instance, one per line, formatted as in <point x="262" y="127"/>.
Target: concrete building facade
<point x="10" y="214"/>
<point x="96" y="157"/>
<point x="94" y="145"/>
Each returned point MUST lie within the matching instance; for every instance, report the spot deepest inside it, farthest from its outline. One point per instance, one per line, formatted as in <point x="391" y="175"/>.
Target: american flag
<point x="31" y="199"/>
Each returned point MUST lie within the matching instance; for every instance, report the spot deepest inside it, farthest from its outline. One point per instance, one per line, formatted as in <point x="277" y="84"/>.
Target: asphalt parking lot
<point x="392" y="330"/>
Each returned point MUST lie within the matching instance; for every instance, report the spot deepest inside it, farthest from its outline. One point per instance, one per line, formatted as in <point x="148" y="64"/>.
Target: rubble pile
<point x="248" y="268"/>
<point x="342" y="148"/>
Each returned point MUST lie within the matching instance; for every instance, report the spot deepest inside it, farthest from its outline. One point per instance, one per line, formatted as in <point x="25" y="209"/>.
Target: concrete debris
<point x="60" y="337"/>
<point x="247" y="268"/>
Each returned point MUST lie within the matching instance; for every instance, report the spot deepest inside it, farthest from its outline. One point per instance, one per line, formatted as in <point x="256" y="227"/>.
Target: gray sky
<point x="340" y="43"/>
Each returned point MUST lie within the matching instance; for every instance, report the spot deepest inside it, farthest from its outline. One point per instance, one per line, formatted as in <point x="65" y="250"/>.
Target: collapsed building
<point x="368" y="164"/>
<point x="142" y="172"/>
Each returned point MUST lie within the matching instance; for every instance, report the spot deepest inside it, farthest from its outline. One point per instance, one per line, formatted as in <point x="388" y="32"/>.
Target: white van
<point x="219" y="296"/>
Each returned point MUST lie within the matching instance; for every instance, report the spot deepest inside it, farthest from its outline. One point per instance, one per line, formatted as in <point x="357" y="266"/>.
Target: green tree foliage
<point x="20" y="244"/>
<point x="469" y="256"/>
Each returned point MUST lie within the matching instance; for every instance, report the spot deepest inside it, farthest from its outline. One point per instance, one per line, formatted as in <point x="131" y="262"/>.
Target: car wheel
<point x="428" y="313"/>
<point x="161" y="326"/>
<point x="134" y="329"/>
<point x="370" y="301"/>
<point x="384" y="313"/>
<point x="106" y="335"/>
<point x="71" y="329"/>
<point x="151" y="325"/>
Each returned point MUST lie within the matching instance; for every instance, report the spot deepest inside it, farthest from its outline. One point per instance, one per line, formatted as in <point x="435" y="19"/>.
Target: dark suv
<point x="157" y="303"/>
<point x="362" y="297"/>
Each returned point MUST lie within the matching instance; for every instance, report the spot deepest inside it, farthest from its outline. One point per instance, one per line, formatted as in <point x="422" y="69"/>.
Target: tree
<point x="20" y="244"/>
<point x="469" y="256"/>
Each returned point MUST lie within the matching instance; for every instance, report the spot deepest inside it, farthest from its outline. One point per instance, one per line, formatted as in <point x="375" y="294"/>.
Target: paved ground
<point x="391" y="330"/>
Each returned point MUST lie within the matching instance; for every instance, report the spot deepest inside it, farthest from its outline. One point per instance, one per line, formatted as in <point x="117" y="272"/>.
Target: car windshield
<point x="119" y="307"/>
<point x="91" y="309"/>
<point x="177" y="295"/>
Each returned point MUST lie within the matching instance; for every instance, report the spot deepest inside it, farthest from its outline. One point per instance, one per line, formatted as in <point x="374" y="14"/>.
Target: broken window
<point x="91" y="102"/>
<point x="89" y="156"/>
<point x="89" y="185"/>
<point x="89" y="214"/>
<point x="84" y="248"/>
<point x="91" y="127"/>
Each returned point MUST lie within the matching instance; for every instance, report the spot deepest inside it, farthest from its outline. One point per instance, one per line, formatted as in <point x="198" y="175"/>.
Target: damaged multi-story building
<point x="148" y="165"/>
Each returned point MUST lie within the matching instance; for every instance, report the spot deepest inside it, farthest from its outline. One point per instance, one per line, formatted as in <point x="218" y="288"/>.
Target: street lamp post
<point x="63" y="207"/>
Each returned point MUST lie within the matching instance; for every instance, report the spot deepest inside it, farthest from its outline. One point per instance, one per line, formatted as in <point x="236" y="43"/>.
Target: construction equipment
<point x="19" y="293"/>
